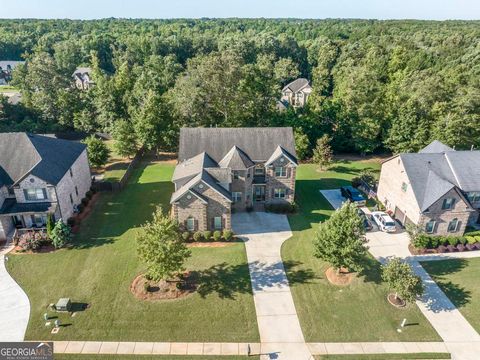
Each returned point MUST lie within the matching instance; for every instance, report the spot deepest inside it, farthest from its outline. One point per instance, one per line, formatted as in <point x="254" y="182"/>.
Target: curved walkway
<point x="280" y="332"/>
<point x="14" y="305"/>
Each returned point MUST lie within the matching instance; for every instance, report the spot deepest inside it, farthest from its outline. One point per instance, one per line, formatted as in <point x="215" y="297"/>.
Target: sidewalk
<point x="14" y="305"/>
<point x="377" y="348"/>
<point x="280" y="332"/>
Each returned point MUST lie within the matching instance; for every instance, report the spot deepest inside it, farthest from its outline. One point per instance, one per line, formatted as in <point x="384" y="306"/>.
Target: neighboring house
<point x="437" y="188"/>
<point x="6" y="69"/>
<point x="296" y="93"/>
<point x="39" y="175"/>
<point x="83" y="78"/>
<point x="225" y="169"/>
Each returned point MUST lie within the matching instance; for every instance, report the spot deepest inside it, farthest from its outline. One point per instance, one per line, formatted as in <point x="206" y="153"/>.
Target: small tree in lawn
<point x="400" y="278"/>
<point x="125" y="138"/>
<point x="61" y="234"/>
<point x="50" y="225"/>
<point x="322" y="154"/>
<point x="340" y="240"/>
<point x="97" y="150"/>
<point x="161" y="247"/>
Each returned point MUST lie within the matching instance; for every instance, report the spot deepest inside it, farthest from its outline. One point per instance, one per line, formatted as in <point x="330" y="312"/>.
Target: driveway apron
<point x="280" y="332"/>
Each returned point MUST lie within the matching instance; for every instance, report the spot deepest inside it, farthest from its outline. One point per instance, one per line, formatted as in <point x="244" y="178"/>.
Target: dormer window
<point x="280" y="171"/>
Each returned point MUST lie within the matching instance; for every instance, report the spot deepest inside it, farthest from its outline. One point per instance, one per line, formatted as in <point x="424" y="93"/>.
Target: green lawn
<point x="458" y="279"/>
<point x="103" y="263"/>
<point x="419" y="356"/>
<point x="328" y="313"/>
<point x="150" y="357"/>
<point x="117" y="165"/>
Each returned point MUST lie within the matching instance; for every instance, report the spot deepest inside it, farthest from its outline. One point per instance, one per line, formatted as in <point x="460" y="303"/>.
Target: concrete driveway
<point x="14" y="306"/>
<point x="280" y="332"/>
<point x="334" y="197"/>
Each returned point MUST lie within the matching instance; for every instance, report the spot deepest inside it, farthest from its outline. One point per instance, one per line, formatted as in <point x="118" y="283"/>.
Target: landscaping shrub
<point x="80" y="208"/>
<point x="207" y="235"/>
<point x="452" y="240"/>
<point x="435" y="241"/>
<point x="31" y="240"/>
<point x="61" y="234"/>
<point x="461" y="247"/>
<point x="421" y="241"/>
<point x="92" y="189"/>
<point x="470" y="247"/>
<point x="89" y="194"/>
<point x="472" y="233"/>
<point x="85" y="201"/>
<point x="228" y="235"/>
<point x="462" y="240"/>
<point x="281" y="208"/>
<point x="185" y="235"/>
<point x="442" y="249"/>
<point x="451" y="248"/>
<point x="198" y="236"/>
<point x="71" y="221"/>
<point x="217" y="235"/>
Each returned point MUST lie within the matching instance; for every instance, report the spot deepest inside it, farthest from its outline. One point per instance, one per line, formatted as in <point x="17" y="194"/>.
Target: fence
<point x="119" y="185"/>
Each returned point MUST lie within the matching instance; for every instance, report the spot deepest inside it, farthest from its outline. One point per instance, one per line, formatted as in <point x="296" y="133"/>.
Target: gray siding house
<point x="437" y="188"/>
<point x="295" y="93"/>
<point x="39" y="175"/>
<point x="83" y="78"/>
<point x="225" y="169"/>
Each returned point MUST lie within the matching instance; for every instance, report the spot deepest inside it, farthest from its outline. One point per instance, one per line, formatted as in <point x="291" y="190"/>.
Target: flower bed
<point x="424" y="243"/>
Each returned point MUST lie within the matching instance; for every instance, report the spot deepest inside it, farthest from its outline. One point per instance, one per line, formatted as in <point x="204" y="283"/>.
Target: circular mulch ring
<point x="397" y="302"/>
<point x="341" y="278"/>
<point x="163" y="290"/>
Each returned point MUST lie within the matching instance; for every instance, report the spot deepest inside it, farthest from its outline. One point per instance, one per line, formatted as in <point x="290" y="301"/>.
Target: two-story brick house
<point x="296" y="93"/>
<point x="437" y="189"/>
<point x="40" y="175"/>
<point x="225" y="169"/>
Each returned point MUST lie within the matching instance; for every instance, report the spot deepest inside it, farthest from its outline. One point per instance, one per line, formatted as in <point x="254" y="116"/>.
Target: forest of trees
<point x="377" y="85"/>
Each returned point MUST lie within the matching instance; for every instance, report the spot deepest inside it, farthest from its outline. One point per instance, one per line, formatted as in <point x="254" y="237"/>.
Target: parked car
<point x="384" y="221"/>
<point x="366" y="223"/>
<point x="352" y="194"/>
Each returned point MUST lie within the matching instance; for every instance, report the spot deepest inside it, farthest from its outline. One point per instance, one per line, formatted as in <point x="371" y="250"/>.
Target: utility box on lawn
<point x="63" y="304"/>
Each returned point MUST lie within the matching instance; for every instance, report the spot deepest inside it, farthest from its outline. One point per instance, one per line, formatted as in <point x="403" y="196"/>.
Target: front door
<point x="18" y="221"/>
<point x="259" y="193"/>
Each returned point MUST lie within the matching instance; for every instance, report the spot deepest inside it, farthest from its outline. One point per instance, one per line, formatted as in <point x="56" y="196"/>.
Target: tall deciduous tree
<point x="125" y="138"/>
<point x="340" y="240"/>
<point x="322" y="154"/>
<point x="400" y="278"/>
<point x="98" y="152"/>
<point x="161" y="247"/>
<point x="302" y="144"/>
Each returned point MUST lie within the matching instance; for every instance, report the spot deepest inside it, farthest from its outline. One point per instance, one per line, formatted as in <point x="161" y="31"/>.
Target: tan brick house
<point x="437" y="188"/>
<point x="39" y="175"/>
<point x="221" y="170"/>
<point x="296" y="93"/>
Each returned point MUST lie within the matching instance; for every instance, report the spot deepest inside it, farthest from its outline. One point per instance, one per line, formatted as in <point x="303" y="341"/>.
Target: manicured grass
<point x="103" y="263"/>
<point x="418" y="356"/>
<point x="459" y="280"/>
<point x="328" y="313"/>
<point x="150" y="357"/>
<point x="117" y="165"/>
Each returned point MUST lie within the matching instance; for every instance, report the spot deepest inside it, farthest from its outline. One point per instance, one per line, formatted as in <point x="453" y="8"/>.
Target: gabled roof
<point x="435" y="147"/>
<point x="437" y="187"/>
<point x="236" y="159"/>
<point x="207" y="179"/>
<point x="4" y="64"/>
<point x="82" y="71"/>
<point x="193" y="166"/>
<point x="257" y="142"/>
<point x="279" y="151"/>
<point x="45" y="157"/>
<point x="296" y="85"/>
<point x="465" y="166"/>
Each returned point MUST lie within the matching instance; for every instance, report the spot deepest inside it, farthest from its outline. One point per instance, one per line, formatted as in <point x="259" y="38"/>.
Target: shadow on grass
<point x="457" y="294"/>
<point x="115" y="213"/>
<point x="229" y="280"/>
<point x="372" y="271"/>
<point x="117" y="166"/>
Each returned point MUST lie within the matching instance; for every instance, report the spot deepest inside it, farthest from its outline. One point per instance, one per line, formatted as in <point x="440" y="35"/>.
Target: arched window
<point x="191" y="224"/>
<point x="430" y="227"/>
<point x="452" y="225"/>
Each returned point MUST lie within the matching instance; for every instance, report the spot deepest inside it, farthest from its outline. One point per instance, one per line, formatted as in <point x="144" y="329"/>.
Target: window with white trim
<point x="259" y="171"/>
<point x="280" y="171"/>
<point x="236" y="196"/>
<point x="430" y="226"/>
<point x="190" y="224"/>
<point x="35" y="194"/>
<point x="217" y="223"/>
<point x="453" y="225"/>
<point x="279" y="193"/>
<point x="448" y="203"/>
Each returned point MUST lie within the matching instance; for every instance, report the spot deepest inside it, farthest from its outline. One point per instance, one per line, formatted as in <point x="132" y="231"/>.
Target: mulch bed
<point x="164" y="290"/>
<point x="211" y="244"/>
<point x="85" y="213"/>
<point x="44" y="249"/>
<point x="414" y="251"/>
<point x="399" y="303"/>
<point x="341" y="278"/>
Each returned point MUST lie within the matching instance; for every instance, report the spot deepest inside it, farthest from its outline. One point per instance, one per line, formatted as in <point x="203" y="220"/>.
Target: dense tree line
<point x="377" y="85"/>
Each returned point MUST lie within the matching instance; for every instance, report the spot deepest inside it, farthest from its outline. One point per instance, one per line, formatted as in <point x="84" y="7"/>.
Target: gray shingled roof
<point x="193" y="166"/>
<point x="13" y="63"/>
<point x="279" y="151"/>
<point x="207" y="179"/>
<point x="10" y="207"/>
<point x="465" y="166"/>
<point x="236" y="159"/>
<point x="296" y="85"/>
<point x="42" y="156"/>
<point x="257" y="143"/>
<point x="435" y="147"/>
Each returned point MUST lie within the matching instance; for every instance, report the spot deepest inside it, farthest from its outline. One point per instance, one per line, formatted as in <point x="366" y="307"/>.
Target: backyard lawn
<point x="116" y="166"/>
<point x="328" y="313"/>
<point x="103" y="262"/>
<point x="458" y="279"/>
